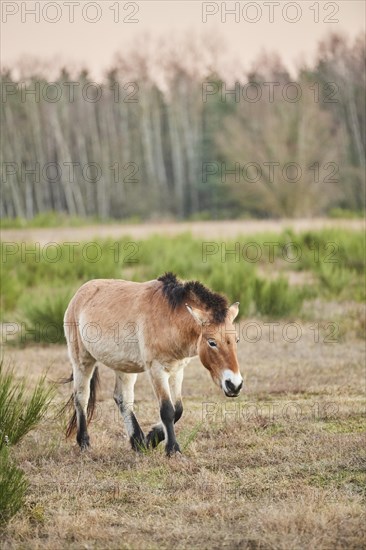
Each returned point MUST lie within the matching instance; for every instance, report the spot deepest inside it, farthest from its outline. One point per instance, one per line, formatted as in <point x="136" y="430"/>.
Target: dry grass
<point x="282" y="467"/>
<point x="205" y="229"/>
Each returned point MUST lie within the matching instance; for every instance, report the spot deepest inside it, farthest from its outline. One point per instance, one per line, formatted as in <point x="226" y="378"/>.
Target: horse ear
<point x="234" y="310"/>
<point x="198" y="315"/>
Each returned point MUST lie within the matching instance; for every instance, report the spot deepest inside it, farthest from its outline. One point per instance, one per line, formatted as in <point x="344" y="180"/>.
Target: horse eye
<point x="212" y="343"/>
<point x="237" y="340"/>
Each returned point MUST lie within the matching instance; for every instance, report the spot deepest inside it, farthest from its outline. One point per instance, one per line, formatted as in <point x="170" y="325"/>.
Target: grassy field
<point x="270" y="273"/>
<point x="281" y="467"/>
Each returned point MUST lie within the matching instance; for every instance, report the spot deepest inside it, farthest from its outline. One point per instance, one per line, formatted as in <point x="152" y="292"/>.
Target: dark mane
<point x="177" y="293"/>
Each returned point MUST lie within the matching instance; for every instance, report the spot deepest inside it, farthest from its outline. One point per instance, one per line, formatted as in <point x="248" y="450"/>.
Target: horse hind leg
<point x="86" y="378"/>
<point x="124" y="398"/>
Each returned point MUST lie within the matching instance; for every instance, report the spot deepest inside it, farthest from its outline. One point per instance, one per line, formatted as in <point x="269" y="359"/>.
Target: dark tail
<point x="94" y="383"/>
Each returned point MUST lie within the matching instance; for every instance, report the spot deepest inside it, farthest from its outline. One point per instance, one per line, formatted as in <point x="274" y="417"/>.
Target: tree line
<point x="178" y="138"/>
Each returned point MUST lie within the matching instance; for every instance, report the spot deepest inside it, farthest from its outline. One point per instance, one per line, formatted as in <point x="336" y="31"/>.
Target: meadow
<point x="282" y="466"/>
<point x="270" y="274"/>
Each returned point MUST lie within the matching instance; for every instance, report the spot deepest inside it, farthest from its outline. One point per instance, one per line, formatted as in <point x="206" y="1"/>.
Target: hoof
<point x="180" y="456"/>
<point x="84" y="443"/>
<point x="172" y="450"/>
<point x="138" y="445"/>
<point x="154" y="437"/>
<point x="84" y="446"/>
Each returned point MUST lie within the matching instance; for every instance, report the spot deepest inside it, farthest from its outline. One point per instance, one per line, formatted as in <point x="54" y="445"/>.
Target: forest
<point x="171" y="136"/>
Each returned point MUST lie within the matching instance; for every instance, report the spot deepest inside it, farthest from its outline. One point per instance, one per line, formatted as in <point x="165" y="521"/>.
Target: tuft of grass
<point x="13" y="486"/>
<point x="191" y="436"/>
<point x="276" y="298"/>
<point x="51" y="218"/>
<point x="36" y="514"/>
<point x="334" y="278"/>
<point x="351" y="480"/>
<point x="44" y="318"/>
<point x="47" y="219"/>
<point x="345" y="214"/>
<point x="10" y="291"/>
<point x="18" y="413"/>
<point x="152" y="478"/>
<point x="349" y="425"/>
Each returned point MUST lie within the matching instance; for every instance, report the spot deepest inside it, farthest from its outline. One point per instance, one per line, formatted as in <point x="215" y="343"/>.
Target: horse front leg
<point x="157" y="434"/>
<point x="176" y="382"/>
<point x="160" y="381"/>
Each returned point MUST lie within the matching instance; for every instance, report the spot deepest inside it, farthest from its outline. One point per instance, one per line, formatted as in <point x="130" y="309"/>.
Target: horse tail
<point x="94" y="384"/>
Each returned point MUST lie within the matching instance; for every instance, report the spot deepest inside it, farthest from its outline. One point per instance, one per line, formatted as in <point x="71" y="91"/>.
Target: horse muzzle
<point x="231" y="384"/>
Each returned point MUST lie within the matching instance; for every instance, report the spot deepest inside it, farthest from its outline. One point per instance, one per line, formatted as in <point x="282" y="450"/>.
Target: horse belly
<point x="125" y="357"/>
<point x="129" y="366"/>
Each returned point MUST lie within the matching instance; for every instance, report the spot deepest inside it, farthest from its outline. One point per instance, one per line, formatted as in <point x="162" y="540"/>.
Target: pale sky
<point x="292" y="29"/>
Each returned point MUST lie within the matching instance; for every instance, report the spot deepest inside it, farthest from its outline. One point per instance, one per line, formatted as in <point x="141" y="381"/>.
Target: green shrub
<point x="235" y="276"/>
<point x="19" y="414"/>
<point x="337" y="258"/>
<point x="237" y="281"/>
<point x="337" y="247"/>
<point x="10" y="291"/>
<point x="341" y="282"/>
<point x="276" y="298"/>
<point x="345" y="214"/>
<point x="183" y="255"/>
<point x="44" y="318"/>
<point x="13" y="486"/>
<point x="87" y="260"/>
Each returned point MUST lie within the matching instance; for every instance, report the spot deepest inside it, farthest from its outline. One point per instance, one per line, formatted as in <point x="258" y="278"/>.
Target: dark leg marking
<point x="156" y="434"/>
<point x="82" y="436"/>
<point x="137" y="439"/>
<point x="178" y="410"/>
<point x="167" y="414"/>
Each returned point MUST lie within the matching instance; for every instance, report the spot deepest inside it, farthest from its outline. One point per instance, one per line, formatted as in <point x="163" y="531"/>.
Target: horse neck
<point x="189" y="332"/>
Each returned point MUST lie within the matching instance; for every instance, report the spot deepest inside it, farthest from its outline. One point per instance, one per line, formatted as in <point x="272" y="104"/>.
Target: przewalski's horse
<point x="156" y="326"/>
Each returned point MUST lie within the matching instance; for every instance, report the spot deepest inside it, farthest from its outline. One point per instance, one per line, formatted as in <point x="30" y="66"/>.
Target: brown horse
<point x="155" y="326"/>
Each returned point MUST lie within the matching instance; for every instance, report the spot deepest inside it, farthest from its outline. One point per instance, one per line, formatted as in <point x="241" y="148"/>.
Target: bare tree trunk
<point x="190" y="143"/>
<point x="9" y="144"/>
<point x="355" y="126"/>
<point x="177" y="161"/>
<point x="158" y="144"/>
<point x="64" y="156"/>
<point x="146" y="141"/>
